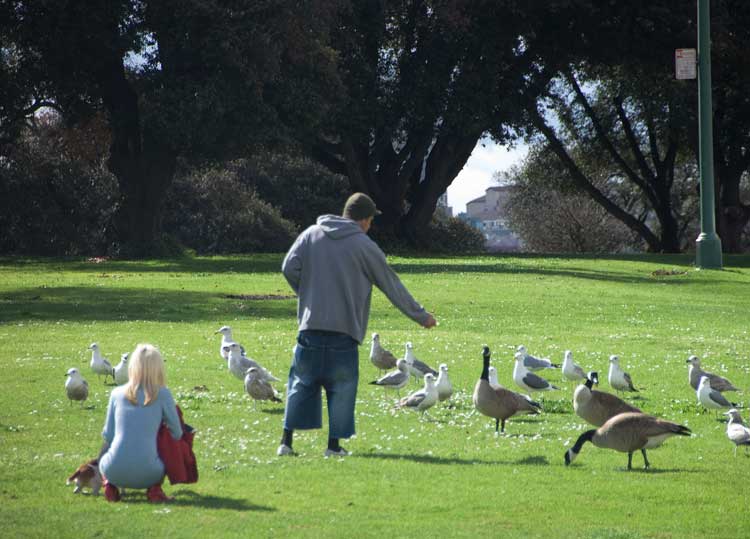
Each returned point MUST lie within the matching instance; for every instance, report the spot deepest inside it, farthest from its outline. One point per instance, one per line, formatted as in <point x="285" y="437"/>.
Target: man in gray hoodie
<point x="332" y="266"/>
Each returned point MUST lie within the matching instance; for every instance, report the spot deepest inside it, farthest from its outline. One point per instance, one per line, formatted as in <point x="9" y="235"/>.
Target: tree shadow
<point x="431" y="459"/>
<point x="190" y="498"/>
<point x="122" y="304"/>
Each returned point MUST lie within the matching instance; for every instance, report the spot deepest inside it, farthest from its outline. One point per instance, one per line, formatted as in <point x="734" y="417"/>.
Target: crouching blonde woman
<point x="129" y="457"/>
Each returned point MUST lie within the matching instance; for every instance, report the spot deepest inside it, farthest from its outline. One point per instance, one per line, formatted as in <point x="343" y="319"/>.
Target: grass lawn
<point x="451" y="477"/>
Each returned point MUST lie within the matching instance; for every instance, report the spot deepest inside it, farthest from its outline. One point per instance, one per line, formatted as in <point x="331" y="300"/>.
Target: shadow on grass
<point x="189" y="498"/>
<point x="122" y="304"/>
<point x="536" y="460"/>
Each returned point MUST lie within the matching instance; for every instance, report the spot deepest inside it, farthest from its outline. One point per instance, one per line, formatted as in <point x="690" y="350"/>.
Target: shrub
<point x="212" y="211"/>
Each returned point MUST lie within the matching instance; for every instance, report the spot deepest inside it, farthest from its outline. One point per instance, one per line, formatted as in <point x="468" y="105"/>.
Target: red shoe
<point x="111" y="493"/>
<point x="156" y="495"/>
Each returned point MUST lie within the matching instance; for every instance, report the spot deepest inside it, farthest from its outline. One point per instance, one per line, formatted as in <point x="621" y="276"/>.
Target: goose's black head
<point x="486" y="352"/>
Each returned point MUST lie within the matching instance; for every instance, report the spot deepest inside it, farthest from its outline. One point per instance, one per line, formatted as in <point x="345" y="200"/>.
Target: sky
<point x="476" y="176"/>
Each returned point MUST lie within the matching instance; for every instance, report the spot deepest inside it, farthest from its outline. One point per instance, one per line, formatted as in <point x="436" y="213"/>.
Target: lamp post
<point x="708" y="244"/>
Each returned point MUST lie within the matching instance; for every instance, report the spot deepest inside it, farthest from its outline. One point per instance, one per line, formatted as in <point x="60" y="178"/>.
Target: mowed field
<point x="407" y="477"/>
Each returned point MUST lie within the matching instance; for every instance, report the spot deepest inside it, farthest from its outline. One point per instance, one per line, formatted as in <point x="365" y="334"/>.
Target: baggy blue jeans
<point x="323" y="360"/>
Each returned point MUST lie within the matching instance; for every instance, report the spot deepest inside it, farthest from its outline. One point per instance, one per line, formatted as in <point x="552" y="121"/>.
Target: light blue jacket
<point x="332" y="266"/>
<point x="132" y="460"/>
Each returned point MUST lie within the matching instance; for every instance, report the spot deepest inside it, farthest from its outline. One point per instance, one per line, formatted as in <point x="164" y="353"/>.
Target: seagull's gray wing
<point x="414" y="400"/>
<point x="424" y="368"/>
<point x="628" y="380"/>
<point x="531" y="362"/>
<point x="719" y="399"/>
<point x="392" y="378"/>
<point x="535" y="382"/>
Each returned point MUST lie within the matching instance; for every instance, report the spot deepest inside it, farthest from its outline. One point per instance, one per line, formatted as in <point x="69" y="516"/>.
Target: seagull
<point x="528" y="381"/>
<point x="380" y="357"/>
<point x="100" y="365"/>
<point x="395" y="379"/>
<point x="492" y="378"/>
<point x="76" y="387"/>
<point x="717" y="382"/>
<point x="710" y="398"/>
<point x="534" y="363"/>
<point x="422" y="399"/>
<point x="570" y="370"/>
<point x="258" y="387"/>
<point x="417" y="368"/>
<point x="737" y="432"/>
<point x="628" y="432"/>
<point x="121" y="370"/>
<point x="618" y="378"/>
<point x="239" y="364"/>
<point x="444" y="387"/>
<point x="226" y="340"/>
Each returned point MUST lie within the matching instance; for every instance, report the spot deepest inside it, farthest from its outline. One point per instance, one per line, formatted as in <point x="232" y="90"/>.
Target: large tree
<point x="193" y="79"/>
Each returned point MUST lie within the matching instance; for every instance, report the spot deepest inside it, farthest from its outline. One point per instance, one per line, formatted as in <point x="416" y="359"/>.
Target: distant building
<point x="442" y="210"/>
<point x="488" y="214"/>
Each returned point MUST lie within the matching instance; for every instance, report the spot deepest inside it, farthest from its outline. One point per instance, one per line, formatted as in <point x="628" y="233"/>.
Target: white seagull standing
<point x="618" y="378"/>
<point x="226" y="340"/>
<point x="417" y="368"/>
<point x="395" y="379"/>
<point x="534" y="363"/>
<point x="528" y="381"/>
<point x="76" y="387"/>
<point x="444" y="387"/>
<point x="239" y="364"/>
<point x="570" y="370"/>
<point x="710" y="398"/>
<point x="379" y="356"/>
<point x="121" y="370"/>
<point x="100" y="365"/>
<point x="423" y="399"/>
<point x="737" y="432"/>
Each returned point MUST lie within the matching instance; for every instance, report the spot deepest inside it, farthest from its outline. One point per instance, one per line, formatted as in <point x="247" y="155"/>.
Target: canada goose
<point x="695" y="372"/>
<point x="76" y="388"/>
<point x="528" y="381"/>
<point x="417" y="368"/>
<point x="596" y="407"/>
<point x="238" y="364"/>
<point x="422" y="399"/>
<point x="395" y="379"/>
<point x="737" y="432"/>
<point x="627" y="433"/>
<point x="710" y="398"/>
<point x="226" y="340"/>
<point x="444" y="387"/>
<point x="570" y="370"/>
<point x="618" y="378"/>
<point x="379" y="356"/>
<point x="258" y="387"/>
<point x="99" y="364"/>
<point x="496" y="401"/>
<point x="534" y="363"/>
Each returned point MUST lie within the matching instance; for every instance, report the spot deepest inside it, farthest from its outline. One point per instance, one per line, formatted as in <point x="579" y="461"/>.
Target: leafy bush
<point x="56" y="195"/>
<point x="212" y="211"/>
<point x="443" y="236"/>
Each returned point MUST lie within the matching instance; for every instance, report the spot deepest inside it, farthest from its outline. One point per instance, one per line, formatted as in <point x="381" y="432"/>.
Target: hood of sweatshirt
<point x="337" y="227"/>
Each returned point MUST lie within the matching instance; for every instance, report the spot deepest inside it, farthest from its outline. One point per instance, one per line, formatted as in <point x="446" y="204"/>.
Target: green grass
<point x="447" y="478"/>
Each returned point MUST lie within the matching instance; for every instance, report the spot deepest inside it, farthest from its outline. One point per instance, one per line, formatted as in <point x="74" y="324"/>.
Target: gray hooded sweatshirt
<point x="332" y="266"/>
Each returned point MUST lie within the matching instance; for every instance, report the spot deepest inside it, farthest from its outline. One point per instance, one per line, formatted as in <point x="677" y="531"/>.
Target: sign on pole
<point x="685" y="64"/>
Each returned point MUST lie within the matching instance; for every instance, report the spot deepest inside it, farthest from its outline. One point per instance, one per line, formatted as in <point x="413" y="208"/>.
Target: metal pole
<point x="708" y="244"/>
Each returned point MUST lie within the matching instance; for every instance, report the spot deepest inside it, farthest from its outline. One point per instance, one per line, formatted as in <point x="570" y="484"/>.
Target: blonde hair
<point x="146" y="370"/>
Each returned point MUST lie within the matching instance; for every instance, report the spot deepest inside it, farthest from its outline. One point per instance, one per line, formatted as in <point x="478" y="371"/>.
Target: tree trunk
<point x="142" y="174"/>
<point x="447" y="158"/>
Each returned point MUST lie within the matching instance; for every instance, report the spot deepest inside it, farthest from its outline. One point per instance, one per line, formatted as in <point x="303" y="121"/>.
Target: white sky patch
<point x="476" y="176"/>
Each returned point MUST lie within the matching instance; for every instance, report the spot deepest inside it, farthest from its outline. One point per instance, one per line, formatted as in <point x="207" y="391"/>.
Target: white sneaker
<point x="284" y="450"/>
<point x="340" y="453"/>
